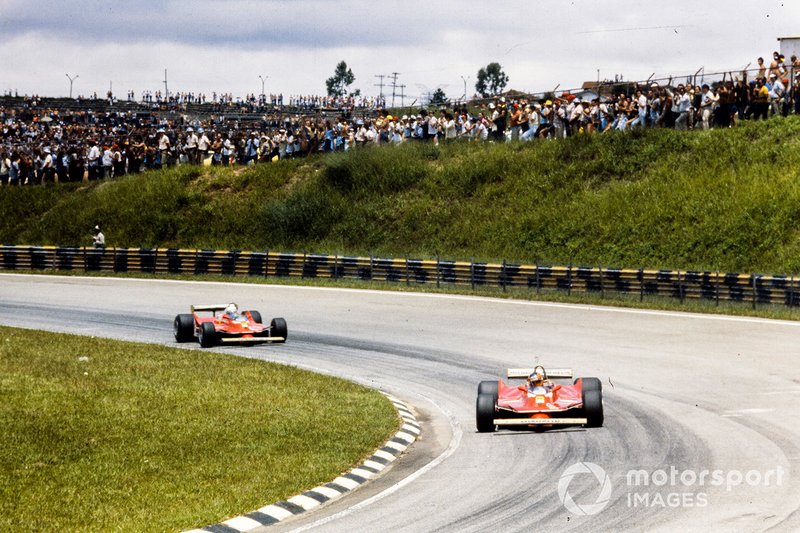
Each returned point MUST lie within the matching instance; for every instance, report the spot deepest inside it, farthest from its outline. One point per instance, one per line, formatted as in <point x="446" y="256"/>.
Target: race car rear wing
<point x="208" y="307"/>
<point x="539" y="421"/>
<point x="552" y="373"/>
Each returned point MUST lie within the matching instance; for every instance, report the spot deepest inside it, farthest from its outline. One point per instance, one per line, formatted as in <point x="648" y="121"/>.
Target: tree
<point x="341" y="79"/>
<point x="491" y="80"/>
<point x="439" y="98"/>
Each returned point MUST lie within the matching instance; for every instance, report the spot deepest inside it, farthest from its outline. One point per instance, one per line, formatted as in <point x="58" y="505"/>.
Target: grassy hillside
<point x="725" y="199"/>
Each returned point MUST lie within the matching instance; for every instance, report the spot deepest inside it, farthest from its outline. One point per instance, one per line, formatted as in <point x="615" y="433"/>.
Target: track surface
<point x="691" y="392"/>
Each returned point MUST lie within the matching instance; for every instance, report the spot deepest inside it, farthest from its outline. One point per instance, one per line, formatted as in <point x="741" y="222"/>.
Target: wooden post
<point x="680" y="286"/>
<point x="754" y="289"/>
<point x="602" y="286"/>
<point x="717" y="291"/>
<point x="303" y="272"/>
<point x="336" y="266"/>
<point x="408" y="280"/>
<point x="438" y="271"/>
<point x="266" y="264"/>
<point x="569" y="279"/>
<point x="472" y="273"/>
<point x="538" y="280"/>
<point x="641" y="284"/>
<point x="503" y="276"/>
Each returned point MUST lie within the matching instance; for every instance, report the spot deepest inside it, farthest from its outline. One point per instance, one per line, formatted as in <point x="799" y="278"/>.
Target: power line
<point x="380" y="76"/>
<point x="394" y="84"/>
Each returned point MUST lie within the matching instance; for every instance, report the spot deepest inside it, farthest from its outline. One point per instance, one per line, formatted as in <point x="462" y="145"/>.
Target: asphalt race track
<point x="683" y="394"/>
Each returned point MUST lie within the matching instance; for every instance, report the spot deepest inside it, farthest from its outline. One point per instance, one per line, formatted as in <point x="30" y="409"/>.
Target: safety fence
<point x="752" y="289"/>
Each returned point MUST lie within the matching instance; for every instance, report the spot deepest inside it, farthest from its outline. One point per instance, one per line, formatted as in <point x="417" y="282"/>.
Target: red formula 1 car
<point x="226" y="325"/>
<point x="539" y="403"/>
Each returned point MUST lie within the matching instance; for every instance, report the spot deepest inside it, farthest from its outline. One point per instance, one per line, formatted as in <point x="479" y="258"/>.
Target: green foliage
<point x="725" y="199"/>
<point x="342" y="78"/>
<point x="491" y="80"/>
<point x="439" y="98"/>
<point x="101" y="435"/>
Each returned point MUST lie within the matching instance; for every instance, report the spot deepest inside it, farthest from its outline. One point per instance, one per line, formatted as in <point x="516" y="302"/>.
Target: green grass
<point x="721" y="200"/>
<point x="103" y="435"/>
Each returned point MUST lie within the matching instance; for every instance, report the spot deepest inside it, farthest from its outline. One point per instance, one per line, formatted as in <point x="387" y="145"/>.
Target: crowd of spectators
<point x="45" y="146"/>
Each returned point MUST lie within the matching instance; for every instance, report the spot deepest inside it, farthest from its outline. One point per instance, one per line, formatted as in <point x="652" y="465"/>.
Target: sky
<point x="294" y="45"/>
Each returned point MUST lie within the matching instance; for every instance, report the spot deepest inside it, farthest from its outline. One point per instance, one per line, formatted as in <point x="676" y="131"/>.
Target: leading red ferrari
<point x="539" y="403"/>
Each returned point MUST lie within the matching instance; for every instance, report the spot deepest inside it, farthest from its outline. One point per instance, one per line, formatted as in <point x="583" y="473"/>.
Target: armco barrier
<point x="751" y="289"/>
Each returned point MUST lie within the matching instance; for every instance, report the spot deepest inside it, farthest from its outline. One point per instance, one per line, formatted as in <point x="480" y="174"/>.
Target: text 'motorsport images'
<point x="227" y="325"/>
<point x="539" y="403"/>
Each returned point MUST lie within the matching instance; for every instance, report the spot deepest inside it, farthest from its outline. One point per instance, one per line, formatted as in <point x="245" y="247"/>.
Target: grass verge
<point x="106" y="435"/>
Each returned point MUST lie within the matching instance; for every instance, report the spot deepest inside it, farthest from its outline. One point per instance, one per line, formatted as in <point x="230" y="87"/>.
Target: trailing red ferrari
<point x="539" y="403"/>
<point x="226" y="325"/>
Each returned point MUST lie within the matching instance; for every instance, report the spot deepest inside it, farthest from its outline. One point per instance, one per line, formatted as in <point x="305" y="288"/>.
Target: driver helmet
<point x="231" y="310"/>
<point x="537" y="377"/>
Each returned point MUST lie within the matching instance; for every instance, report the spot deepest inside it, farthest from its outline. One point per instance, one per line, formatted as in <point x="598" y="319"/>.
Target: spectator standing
<point x="98" y="239"/>
<point x="203" y="144"/>
<point x="684" y="104"/>
<point x="163" y="148"/>
<point x="191" y="146"/>
<point x="93" y="160"/>
<point x="707" y="101"/>
<point x="108" y="162"/>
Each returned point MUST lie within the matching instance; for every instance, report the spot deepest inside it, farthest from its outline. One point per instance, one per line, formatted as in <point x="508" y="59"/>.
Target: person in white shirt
<point x="93" y="159"/>
<point x="191" y="146"/>
<point x="202" y="146"/>
<point x="684" y="104"/>
<point x="707" y="102"/>
<point x="98" y="239"/>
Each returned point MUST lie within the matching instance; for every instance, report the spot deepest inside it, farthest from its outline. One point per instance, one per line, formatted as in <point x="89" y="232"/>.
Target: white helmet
<point x="231" y="309"/>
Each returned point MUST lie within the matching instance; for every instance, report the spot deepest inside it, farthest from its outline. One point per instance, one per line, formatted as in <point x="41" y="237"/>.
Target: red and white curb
<point x="310" y="499"/>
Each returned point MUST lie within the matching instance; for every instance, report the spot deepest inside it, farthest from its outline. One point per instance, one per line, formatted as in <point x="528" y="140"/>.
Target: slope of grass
<point x="101" y="435"/>
<point x="727" y="199"/>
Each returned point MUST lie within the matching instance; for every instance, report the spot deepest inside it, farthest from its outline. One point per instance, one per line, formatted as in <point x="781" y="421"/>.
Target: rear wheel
<point x="208" y="335"/>
<point x="488" y="387"/>
<point x="255" y="315"/>
<point x="277" y="328"/>
<point x="183" y="328"/>
<point x="484" y="413"/>
<point x="593" y="408"/>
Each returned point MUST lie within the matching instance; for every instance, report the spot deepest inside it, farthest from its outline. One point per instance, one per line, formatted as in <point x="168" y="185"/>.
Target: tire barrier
<point x="752" y="289"/>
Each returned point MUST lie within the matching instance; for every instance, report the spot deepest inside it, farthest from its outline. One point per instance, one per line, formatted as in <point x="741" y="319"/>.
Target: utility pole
<point x="70" y="83"/>
<point x="402" y="96"/>
<point x="380" y="84"/>
<point x="263" y="78"/>
<point x="166" y="91"/>
<point x="465" y="88"/>
<point x="394" y="84"/>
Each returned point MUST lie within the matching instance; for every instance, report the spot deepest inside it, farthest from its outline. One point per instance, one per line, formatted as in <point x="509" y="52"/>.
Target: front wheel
<point x="208" y="335"/>
<point x="489" y="387"/>
<point x="484" y="413"/>
<point x="255" y="315"/>
<point x="277" y="328"/>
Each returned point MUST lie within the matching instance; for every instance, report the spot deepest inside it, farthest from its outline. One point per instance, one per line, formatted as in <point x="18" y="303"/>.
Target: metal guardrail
<point x="752" y="289"/>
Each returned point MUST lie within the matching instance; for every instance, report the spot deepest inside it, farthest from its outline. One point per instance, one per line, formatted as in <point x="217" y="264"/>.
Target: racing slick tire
<point x="484" y="413"/>
<point x="593" y="408"/>
<point x="277" y="328"/>
<point x="255" y="315"/>
<point x="184" y="328"/>
<point x="488" y="387"/>
<point x="589" y="384"/>
<point x="208" y="335"/>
